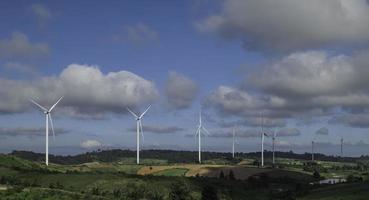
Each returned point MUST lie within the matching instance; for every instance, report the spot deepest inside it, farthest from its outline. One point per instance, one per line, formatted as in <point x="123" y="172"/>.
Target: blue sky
<point x="235" y="58"/>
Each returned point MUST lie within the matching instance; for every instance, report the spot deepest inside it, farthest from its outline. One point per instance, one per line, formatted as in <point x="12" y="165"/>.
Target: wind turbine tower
<point x="341" y="147"/>
<point x="47" y="113"/>
<point x="139" y="130"/>
<point x="233" y="141"/>
<point x="262" y="140"/>
<point x="274" y="135"/>
<point x="312" y="150"/>
<point x="198" y="133"/>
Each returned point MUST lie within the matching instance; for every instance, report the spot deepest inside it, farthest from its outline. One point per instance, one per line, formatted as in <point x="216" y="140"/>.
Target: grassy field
<point x="172" y="172"/>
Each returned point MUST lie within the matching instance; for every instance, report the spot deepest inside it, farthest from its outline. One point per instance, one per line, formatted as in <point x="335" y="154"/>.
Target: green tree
<point x="231" y="175"/>
<point x="209" y="193"/>
<point x="316" y="174"/>
<point x="179" y="191"/>
<point x="221" y="175"/>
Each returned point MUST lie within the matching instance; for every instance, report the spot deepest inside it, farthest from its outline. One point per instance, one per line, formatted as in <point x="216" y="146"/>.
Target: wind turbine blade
<point x="52" y="107"/>
<point x="52" y="126"/>
<point x="206" y="131"/>
<point x="129" y="110"/>
<point x="143" y="137"/>
<point x="147" y="109"/>
<point x="34" y="102"/>
<point x="197" y="131"/>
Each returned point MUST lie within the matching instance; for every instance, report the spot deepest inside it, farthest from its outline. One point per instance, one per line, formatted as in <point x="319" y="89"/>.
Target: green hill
<point x="13" y="162"/>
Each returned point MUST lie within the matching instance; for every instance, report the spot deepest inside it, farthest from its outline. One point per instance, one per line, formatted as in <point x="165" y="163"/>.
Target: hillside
<point x="172" y="156"/>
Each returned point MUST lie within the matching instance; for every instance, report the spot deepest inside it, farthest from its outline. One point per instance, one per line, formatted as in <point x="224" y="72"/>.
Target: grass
<point x="18" y="163"/>
<point x="353" y="191"/>
<point x="98" y="167"/>
<point x="46" y="193"/>
<point x="172" y="172"/>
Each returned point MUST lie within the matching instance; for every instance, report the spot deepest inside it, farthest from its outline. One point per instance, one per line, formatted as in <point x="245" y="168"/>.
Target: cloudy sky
<point x="301" y="66"/>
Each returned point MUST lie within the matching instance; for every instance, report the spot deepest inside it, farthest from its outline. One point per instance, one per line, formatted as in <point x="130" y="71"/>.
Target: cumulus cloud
<point x="233" y="101"/>
<point x="29" y="132"/>
<point x="312" y="73"/>
<point x="20" y="68"/>
<point x="137" y="34"/>
<point x="289" y="25"/>
<point x="159" y="129"/>
<point x="180" y="91"/>
<point x="87" y="91"/>
<point x="90" y="144"/>
<point x="18" y="46"/>
<point x="300" y="85"/>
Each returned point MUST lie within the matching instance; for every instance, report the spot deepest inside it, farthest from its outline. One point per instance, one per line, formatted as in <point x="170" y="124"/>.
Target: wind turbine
<point x="198" y="133"/>
<point x="274" y="136"/>
<point x="341" y="147"/>
<point x="312" y="150"/>
<point x="233" y="140"/>
<point x="139" y="130"/>
<point x="47" y="113"/>
<point x="262" y="140"/>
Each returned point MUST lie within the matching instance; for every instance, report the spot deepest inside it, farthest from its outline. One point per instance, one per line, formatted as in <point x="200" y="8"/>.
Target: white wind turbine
<point x="47" y="113"/>
<point x="341" y="147"/>
<point x="312" y="150"/>
<point x="234" y="141"/>
<point x="139" y="130"/>
<point x="262" y="140"/>
<point x="274" y="136"/>
<point x="198" y="133"/>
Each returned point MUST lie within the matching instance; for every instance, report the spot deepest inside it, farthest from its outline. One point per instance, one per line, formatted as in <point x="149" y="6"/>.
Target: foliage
<point x="209" y="193"/>
<point x="180" y="191"/>
<point x="231" y="175"/>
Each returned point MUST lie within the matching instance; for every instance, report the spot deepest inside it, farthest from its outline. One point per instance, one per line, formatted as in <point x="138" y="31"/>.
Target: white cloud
<point x="180" y="91"/>
<point x="287" y="25"/>
<point x="300" y="85"/>
<point x="87" y="91"/>
<point x="18" y="46"/>
<point x="89" y="144"/>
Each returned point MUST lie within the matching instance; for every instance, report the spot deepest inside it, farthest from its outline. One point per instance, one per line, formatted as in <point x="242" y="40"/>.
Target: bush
<point x="221" y="175"/>
<point x="231" y="175"/>
<point x="209" y="193"/>
<point x="180" y="191"/>
<point x="316" y="174"/>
